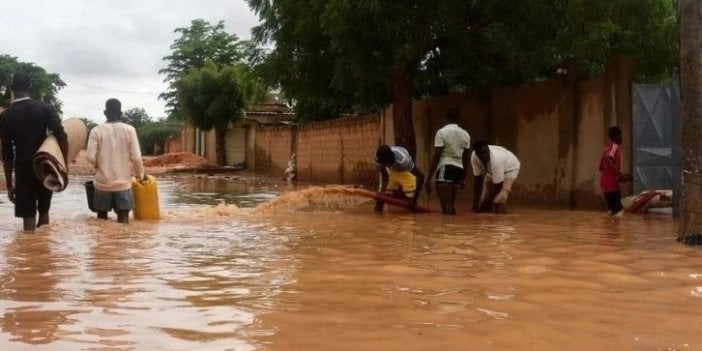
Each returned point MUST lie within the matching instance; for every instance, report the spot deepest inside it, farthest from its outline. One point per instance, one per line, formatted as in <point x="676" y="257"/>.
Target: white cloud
<point x="109" y="48"/>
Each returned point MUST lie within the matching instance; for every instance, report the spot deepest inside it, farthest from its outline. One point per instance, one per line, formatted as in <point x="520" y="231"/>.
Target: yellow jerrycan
<point x="146" y="199"/>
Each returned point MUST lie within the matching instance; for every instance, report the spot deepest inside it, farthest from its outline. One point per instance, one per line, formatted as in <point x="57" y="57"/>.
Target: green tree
<point x="199" y="43"/>
<point x="151" y="134"/>
<point x="334" y="56"/>
<point x="136" y="116"/>
<point x="45" y="86"/>
<point x="214" y="96"/>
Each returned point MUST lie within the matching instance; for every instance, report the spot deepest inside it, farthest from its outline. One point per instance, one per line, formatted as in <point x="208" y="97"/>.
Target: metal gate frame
<point x="657" y="138"/>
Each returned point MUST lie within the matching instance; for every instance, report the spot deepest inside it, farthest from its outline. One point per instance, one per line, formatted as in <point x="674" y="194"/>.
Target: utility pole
<point x="690" y="27"/>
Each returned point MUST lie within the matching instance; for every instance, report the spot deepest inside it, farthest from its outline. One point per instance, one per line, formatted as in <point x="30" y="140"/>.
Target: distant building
<point x="240" y="137"/>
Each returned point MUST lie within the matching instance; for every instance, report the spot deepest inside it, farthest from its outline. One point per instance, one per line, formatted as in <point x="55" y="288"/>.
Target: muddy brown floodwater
<point x="333" y="276"/>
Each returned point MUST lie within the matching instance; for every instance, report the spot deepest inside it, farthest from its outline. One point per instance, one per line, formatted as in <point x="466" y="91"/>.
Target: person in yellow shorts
<point x="399" y="176"/>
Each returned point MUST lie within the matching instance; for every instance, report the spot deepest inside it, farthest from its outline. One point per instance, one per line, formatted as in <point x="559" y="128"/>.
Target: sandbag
<point x="49" y="166"/>
<point x="146" y="205"/>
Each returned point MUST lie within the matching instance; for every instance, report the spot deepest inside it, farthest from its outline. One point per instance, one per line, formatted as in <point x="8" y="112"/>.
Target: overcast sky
<point x="108" y="48"/>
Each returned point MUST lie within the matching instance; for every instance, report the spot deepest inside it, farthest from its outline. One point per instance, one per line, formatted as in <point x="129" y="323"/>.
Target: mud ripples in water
<point x="215" y="276"/>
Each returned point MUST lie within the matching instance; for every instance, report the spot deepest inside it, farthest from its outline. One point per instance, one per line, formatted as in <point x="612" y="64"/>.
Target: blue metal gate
<point x="657" y="137"/>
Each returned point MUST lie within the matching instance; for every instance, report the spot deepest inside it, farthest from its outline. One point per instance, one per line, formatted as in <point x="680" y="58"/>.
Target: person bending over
<point x="399" y="176"/>
<point x="495" y="169"/>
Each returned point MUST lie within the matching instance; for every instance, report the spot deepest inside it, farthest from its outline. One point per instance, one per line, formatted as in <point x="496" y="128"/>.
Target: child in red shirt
<point x="610" y="172"/>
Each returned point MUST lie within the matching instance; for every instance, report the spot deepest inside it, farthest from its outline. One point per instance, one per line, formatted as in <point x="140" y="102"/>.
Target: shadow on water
<point x="316" y="270"/>
<point x="212" y="191"/>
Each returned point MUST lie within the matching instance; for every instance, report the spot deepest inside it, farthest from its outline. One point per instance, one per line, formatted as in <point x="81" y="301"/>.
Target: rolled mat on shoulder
<point x="49" y="166"/>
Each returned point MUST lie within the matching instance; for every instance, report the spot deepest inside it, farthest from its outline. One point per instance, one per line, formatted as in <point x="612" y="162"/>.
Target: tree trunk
<point x="221" y="146"/>
<point x="690" y="17"/>
<point x="402" y="108"/>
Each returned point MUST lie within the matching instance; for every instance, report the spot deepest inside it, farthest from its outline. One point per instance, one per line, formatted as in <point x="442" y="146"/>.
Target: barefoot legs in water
<point x="122" y="216"/>
<point x="447" y="197"/>
<point x="30" y="224"/>
<point x="43" y="219"/>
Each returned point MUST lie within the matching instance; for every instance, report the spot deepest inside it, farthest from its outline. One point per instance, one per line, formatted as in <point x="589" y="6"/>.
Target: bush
<point x="154" y="134"/>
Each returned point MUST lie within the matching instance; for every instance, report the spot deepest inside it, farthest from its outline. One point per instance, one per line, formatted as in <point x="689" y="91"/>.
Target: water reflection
<point x="29" y="280"/>
<point x="117" y="261"/>
<point x="203" y="190"/>
<point x="541" y="278"/>
<point x="222" y="278"/>
<point x="29" y="273"/>
<point x="118" y="258"/>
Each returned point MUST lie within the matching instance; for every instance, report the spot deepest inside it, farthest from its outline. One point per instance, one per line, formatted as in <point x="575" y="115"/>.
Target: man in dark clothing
<point x="23" y="128"/>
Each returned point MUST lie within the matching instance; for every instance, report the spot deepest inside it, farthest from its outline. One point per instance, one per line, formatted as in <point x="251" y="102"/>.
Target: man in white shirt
<point x="113" y="148"/>
<point x="450" y="161"/>
<point x="495" y="169"/>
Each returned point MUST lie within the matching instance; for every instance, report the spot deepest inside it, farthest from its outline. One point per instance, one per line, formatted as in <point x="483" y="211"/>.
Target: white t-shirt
<point x="114" y="149"/>
<point x="502" y="161"/>
<point x="454" y="140"/>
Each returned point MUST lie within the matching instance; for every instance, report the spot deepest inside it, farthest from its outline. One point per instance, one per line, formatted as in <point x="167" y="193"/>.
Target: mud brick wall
<point x="272" y="149"/>
<point x="361" y="141"/>
<point x="338" y="151"/>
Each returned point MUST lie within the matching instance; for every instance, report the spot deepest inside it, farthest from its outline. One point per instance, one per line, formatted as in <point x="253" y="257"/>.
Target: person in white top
<point x="495" y="169"/>
<point x="450" y="161"/>
<point x="113" y="148"/>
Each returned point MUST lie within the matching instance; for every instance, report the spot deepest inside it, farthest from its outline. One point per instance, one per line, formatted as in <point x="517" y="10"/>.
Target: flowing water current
<point x="317" y="270"/>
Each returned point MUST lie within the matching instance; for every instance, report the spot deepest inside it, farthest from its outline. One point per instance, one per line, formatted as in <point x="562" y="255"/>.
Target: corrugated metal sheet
<point x="657" y="137"/>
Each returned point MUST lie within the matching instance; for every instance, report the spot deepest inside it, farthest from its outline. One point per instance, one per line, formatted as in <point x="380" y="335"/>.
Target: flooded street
<point x="211" y="277"/>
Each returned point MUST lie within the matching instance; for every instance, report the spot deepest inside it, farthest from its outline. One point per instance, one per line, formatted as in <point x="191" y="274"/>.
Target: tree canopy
<point x="214" y="96"/>
<point x="136" y="116"/>
<point x="199" y="43"/>
<point x="333" y="56"/>
<point x="45" y="86"/>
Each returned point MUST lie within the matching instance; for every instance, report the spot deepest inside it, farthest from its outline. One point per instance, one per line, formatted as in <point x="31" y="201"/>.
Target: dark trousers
<point x="614" y="201"/>
<point x="30" y="196"/>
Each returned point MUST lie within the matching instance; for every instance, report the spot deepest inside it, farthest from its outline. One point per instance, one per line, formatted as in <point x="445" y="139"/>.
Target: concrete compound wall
<point x="174" y="144"/>
<point x="428" y="116"/>
<point x="526" y="120"/>
<point x="591" y="133"/>
<point x="199" y="142"/>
